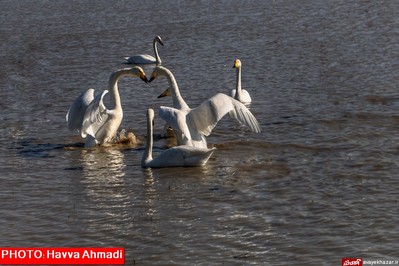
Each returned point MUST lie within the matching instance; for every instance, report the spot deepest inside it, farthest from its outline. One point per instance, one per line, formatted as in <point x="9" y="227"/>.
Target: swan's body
<point x="92" y="118"/>
<point x="195" y="124"/>
<point x="142" y="59"/>
<point x="176" y="156"/>
<point x="238" y="93"/>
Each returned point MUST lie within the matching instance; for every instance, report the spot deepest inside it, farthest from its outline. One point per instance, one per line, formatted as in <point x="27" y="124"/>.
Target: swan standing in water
<point x="92" y="118"/>
<point x="195" y="124"/>
<point x="141" y="59"/>
<point x="176" y="156"/>
<point x="239" y="94"/>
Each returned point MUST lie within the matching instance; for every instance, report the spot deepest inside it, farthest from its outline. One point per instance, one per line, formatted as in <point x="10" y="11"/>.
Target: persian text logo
<point x="352" y="261"/>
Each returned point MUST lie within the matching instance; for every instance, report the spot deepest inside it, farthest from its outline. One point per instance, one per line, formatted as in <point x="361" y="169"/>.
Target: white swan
<point x="92" y="118"/>
<point x="238" y="93"/>
<point x="176" y="156"/>
<point x="195" y="124"/>
<point x="141" y="59"/>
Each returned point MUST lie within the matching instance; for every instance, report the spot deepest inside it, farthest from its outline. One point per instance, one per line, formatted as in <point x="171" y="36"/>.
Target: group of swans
<point x="99" y="124"/>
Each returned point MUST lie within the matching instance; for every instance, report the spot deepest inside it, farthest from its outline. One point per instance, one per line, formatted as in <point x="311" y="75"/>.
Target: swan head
<point x="158" y="71"/>
<point x="165" y="93"/>
<point x="158" y="39"/>
<point x="139" y="72"/>
<point x="237" y="63"/>
<point x="150" y="115"/>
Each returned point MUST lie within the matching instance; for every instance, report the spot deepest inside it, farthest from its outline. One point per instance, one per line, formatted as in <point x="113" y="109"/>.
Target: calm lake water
<point x="318" y="184"/>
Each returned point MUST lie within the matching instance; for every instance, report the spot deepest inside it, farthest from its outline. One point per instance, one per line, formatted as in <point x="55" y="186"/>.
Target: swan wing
<point x="140" y="59"/>
<point x="78" y="108"/>
<point x="233" y="93"/>
<point x="176" y="119"/>
<point x="95" y="116"/>
<point x="205" y="117"/>
<point x="246" y="98"/>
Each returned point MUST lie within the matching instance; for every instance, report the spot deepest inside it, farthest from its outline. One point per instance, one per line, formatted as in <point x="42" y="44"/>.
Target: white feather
<point x="77" y="110"/>
<point x="95" y="116"/>
<point x="92" y="118"/>
<point x="182" y="155"/>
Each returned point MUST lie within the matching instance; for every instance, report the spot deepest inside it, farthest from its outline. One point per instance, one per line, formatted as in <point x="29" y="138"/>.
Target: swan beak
<point x="143" y="78"/>
<point x="160" y="42"/>
<point x="165" y="93"/>
<point x="152" y="78"/>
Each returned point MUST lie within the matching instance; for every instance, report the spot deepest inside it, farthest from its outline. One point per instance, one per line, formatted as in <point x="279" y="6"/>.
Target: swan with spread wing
<point x="89" y="115"/>
<point x="194" y="124"/>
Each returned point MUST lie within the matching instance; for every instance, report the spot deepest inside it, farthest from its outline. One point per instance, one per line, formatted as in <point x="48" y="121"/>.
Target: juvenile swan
<point x="92" y="118"/>
<point x="195" y="124"/>
<point x="175" y="156"/>
<point x="141" y="59"/>
<point x="238" y="93"/>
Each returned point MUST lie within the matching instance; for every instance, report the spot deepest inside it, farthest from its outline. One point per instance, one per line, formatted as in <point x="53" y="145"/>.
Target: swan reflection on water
<point x="103" y="168"/>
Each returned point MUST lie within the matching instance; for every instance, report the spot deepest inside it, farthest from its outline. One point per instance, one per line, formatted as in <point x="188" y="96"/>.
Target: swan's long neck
<point x="113" y="88"/>
<point x="178" y="101"/>
<point x="238" y="83"/>
<point x="154" y="44"/>
<point x="113" y="85"/>
<point x="147" y="156"/>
